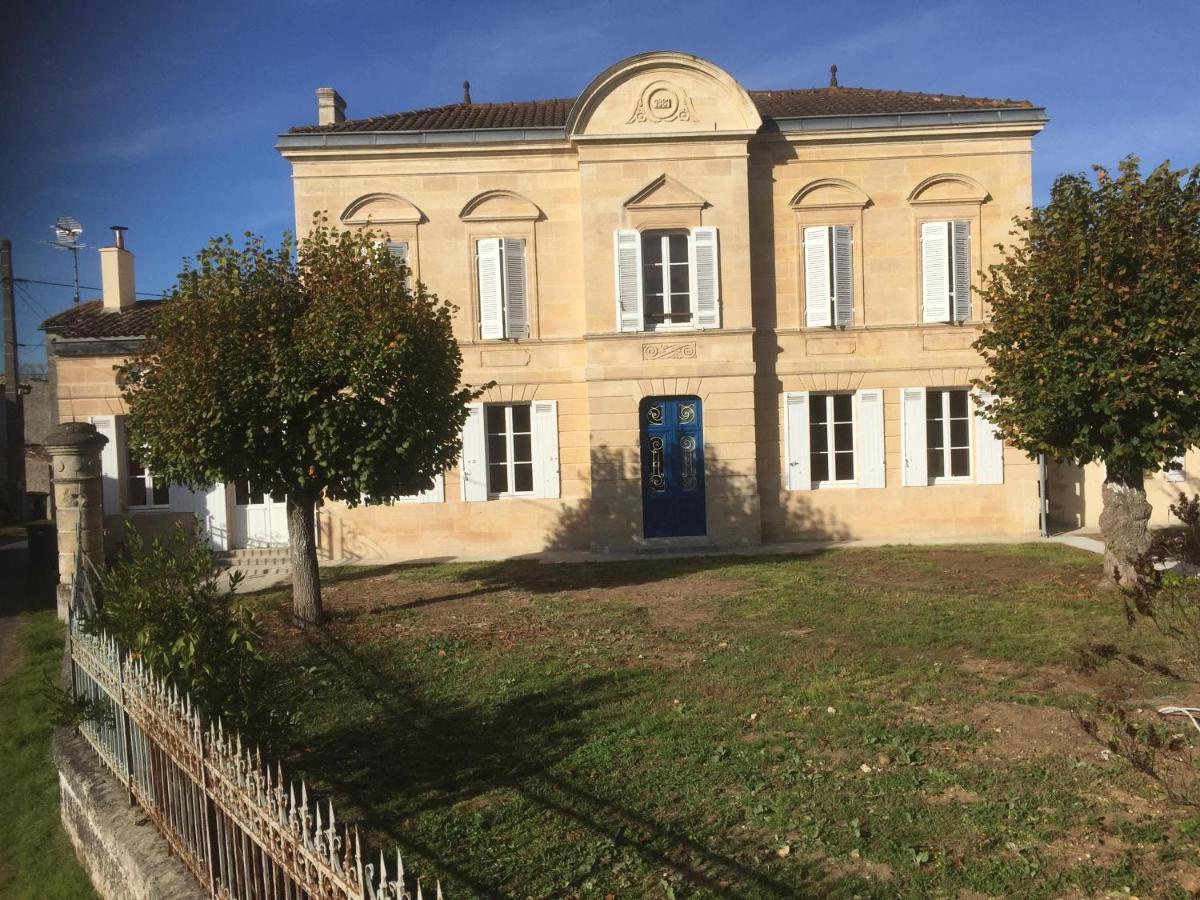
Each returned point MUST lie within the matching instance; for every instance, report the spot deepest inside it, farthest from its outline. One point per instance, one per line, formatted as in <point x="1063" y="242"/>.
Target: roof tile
<point x="827" y="101"/>
<point x="89" y="320"/>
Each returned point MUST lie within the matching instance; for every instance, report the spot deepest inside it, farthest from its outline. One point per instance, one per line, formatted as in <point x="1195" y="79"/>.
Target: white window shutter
<point x="213" y="513"/>
<point x="474" y="455"/>
<point x="872" y="472"/>
<point x="491" y="290"/>
<point x="627" y="258"/>
<point x="912" y="428"/>
<point x="817" y="300"/>
<point x="399" y="249"/>
<point x="545" y="432"/>
<point x="1175" y="471"/>
<point x="797" y="475"/>
<point x="110" y="456"/>
<point x="706" y="277"/>
<point x="843" y="276"/>
<point x="437" y="493"/>
<point x="935" y="272"/>
<point x="989" y="447"/>
<point x="516" y="291"/>
<point x="962" y="271"/>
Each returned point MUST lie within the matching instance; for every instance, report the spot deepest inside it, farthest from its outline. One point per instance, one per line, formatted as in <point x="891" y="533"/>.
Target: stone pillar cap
<point x="68" y="435"/>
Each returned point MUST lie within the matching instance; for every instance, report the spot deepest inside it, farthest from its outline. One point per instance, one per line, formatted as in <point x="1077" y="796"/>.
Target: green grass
<point x="700" y="727"/>
<point x="36" y="859"/>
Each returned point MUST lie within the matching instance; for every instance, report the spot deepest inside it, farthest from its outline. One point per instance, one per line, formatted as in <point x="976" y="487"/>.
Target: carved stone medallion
<point x="661" y="101"/>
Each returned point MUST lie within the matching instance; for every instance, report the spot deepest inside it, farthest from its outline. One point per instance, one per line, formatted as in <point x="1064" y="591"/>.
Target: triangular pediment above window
<point x="664" y="192"/>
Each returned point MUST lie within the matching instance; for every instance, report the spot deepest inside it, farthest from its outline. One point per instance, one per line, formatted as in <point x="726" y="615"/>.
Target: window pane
<point x="523" y="477"/>
<point x="522" y="448"/>
<point x="679" y="248"/>
<point x="818" y="440"/>
<point x="818" y="404"/>
<point x="933" y="434"/>
<point x="497" y="479"/>
<point x="241" y="493"/>
<point x="137" y="492"/>
<point x="653" y="305"/>
<point x="162" y="493"/>
<point x="495" y="419"/>
<point x="960" y="462"/>
<point x="958" y="404"/>
<point x="843" y="436"/>
<point x="257" y="495"/>
<point x="820" y="466"/>
<point x="843" y="408"/>
<point x="651" y="248"/>
<point x="844" y="466"/>
<point x="520" y="417"/>
<point x="679" y="280"/>
<point x="958" y="433"/>
<point x="933" y="404"/>
<point x="497" y="448"/>
<point x="936" y="462"/>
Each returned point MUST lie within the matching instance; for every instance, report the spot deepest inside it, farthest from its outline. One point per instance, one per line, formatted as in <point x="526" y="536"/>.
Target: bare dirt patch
<point x="1017" y="732"/>
<point x="963" y="569"/>
<point x="1084" y="847"/>
<point x="992" y="671"/>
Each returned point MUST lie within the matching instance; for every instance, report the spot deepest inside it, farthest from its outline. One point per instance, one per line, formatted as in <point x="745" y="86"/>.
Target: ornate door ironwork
<point x="672" y="437"/>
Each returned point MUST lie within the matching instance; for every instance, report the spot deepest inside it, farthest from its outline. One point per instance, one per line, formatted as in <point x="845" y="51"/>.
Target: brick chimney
<point x="116" y="274"/>
<point x="331" y="108"/>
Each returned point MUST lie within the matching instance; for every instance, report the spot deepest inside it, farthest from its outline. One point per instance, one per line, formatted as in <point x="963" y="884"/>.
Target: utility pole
<point x="13" y="466"/>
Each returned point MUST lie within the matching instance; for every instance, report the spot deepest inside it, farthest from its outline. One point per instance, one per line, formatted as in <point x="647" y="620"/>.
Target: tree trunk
<point x="306" y="582"/>
<point x="1124" y="522"/>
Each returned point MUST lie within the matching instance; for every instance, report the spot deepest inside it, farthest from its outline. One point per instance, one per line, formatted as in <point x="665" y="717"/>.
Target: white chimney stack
<point x="331" y="108"/>
<point x="116" y="274"/>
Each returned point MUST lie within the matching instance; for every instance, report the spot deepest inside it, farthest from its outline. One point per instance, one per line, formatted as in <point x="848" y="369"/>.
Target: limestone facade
<point x="666" y="143"/>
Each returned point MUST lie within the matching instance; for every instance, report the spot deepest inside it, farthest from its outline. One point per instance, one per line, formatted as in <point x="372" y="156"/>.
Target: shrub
<point x="167" y="603"/>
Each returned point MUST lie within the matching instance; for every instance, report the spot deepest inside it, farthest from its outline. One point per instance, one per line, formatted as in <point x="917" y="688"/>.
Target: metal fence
<point x="242" y="830"/>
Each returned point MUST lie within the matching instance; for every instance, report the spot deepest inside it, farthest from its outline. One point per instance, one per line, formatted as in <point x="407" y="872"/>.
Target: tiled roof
<point x="827" y="101"/>
<point x="89" y="320"/>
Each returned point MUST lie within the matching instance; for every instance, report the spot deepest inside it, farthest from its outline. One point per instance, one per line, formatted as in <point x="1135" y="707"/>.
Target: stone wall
<point x="121" y="850"/>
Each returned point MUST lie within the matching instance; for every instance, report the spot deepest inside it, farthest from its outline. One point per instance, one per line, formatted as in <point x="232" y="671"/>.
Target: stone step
<point x="260" y="571"/>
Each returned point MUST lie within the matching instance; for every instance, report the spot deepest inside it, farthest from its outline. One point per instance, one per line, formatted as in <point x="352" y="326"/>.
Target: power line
<point x="83" y="287"/>
<point x="27" y="296"/>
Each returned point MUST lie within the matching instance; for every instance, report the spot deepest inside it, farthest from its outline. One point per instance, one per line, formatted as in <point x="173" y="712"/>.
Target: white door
<point x="259" y="520"/>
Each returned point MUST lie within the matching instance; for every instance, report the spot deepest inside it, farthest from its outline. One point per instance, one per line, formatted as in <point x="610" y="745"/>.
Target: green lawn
<point x="871" y="723"/>
<point x="36" y="860"/>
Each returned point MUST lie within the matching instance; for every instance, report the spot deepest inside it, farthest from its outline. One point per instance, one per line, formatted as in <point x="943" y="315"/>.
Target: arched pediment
<point x="948" y="187"/>
<point x="829" y="192"/>
<point x="662" y="93"/>
<point x="664" y="192"/>
<point x="380" y="209"/>
<point x="499" y="205"/>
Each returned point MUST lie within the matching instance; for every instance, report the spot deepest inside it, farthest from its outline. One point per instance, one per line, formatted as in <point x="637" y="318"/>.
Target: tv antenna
<point x="66" y="237"/>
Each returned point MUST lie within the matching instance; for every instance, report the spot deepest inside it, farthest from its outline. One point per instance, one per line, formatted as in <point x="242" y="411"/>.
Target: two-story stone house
<point x="711" y="315"/>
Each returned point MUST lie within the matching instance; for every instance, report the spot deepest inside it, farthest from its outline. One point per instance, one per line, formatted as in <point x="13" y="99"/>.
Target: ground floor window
<point x="509" y="428"/>
<point x="948" y="434"/>
<point x="143" y="489"/>
<point x="831" y="438"/>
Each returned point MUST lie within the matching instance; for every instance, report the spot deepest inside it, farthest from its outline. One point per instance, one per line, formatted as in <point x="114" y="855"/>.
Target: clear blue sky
<point x="162" y="116"/>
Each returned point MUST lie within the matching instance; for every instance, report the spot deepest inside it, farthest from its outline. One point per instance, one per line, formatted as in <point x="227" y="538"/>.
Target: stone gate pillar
<point x="74" y="449"/>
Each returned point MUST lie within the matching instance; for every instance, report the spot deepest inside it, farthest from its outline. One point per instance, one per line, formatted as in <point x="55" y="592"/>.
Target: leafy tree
<point x="316" y="375"/>
<point x="1094" y="339"/>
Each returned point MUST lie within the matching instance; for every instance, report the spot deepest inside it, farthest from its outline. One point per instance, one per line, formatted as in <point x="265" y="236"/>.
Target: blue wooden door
<point x="672" y="437"/>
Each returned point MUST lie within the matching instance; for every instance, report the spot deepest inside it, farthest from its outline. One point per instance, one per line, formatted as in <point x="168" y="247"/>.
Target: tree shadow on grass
<point x="410" y="755"/>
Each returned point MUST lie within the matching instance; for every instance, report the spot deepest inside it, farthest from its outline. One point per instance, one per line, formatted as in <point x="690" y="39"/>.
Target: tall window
<point x="946" y="271"/>
<point x="503" y="292"/>
<point x="399" y="249"/>
<point x="666" y="279"/>
<point x="828" y="276"/>
<point x="144" y="490"/>
<point x="831" y="438"/>
<point x="948" y="434"/>
<point x="509" y="448"/>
